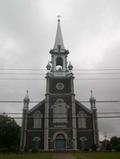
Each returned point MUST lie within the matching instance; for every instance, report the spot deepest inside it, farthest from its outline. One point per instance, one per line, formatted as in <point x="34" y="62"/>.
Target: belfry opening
<point x="59" y="63"/>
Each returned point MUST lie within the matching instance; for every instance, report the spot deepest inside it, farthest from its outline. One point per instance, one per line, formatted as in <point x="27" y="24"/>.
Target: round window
<point x="60" y="86"/>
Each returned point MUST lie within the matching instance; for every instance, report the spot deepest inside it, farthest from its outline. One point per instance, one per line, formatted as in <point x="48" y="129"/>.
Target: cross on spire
<point x="59" y="18"/>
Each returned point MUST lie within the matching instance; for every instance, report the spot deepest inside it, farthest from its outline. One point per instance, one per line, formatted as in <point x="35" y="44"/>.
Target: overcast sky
<point x="91" y="32"/>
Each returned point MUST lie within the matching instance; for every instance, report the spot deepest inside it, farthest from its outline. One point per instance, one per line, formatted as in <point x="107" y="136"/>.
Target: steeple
<point x="58" y="63"/>
<point x="59" y="39"/>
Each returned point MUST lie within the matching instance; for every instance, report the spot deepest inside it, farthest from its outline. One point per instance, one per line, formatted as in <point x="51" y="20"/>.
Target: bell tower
<point x="60" y="111"/>
<point x="58" y="54"/>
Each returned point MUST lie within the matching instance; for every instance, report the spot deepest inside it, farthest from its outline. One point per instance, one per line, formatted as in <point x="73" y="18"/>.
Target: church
<point x="59" y="121"/>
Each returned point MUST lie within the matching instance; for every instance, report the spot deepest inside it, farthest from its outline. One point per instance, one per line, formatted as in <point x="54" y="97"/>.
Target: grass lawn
<point x="27" y="156"/>
<point x="97" y="155"/>
<point x="87" y="155"/>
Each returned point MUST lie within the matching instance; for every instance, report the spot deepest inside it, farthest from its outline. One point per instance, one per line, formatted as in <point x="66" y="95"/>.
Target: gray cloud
<point x="91" y="31"/>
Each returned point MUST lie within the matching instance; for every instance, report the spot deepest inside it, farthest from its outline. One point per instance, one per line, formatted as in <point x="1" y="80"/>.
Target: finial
<point x="59" y="18"/>
<point x="27" y="96"/>
<point x="91" y="93"/>
<point x="70" y="67"/>
<point x="26" y="99"/>
<point x="48" y="66"/>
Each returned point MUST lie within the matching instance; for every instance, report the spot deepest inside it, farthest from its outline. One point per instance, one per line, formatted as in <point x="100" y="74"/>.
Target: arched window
<point x="81" y="119"/>
<point x="37" y="119"/>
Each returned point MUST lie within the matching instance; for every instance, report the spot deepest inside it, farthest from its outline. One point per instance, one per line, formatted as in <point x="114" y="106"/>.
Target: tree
<point x="9" y="132"/>
<point x="115" y="142"/>
<point x="106" y="145"/>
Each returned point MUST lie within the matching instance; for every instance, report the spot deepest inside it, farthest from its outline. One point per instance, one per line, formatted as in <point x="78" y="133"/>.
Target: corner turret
<point x="94" y="119"/>
<point x="24" y="122"/>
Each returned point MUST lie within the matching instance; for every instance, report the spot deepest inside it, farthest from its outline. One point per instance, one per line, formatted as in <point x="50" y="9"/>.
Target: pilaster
<point x="73" y="116"/>
<point x="46" y="127"/>
<point x="74" y="123"/>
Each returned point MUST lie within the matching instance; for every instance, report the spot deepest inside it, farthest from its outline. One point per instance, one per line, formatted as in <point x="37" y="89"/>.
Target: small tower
<point x="94" y="118"/>
<point x="24" y="122"/>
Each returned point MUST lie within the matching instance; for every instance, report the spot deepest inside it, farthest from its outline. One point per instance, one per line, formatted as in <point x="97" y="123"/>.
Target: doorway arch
<point x="60" y="142"/>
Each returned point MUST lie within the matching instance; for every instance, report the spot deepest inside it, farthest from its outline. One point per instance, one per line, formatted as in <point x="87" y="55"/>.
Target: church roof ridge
<point x="59" y="37"/>
<point x="84" y="107"/>
<point x="36" y="106"/>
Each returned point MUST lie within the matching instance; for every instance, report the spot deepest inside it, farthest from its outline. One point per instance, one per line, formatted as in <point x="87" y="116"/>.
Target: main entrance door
<point x="60" y="142"/>
<point x="36" y="143"/>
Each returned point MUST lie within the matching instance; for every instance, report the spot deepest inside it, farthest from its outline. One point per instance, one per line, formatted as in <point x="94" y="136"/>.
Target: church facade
<point x="59" y="122"/>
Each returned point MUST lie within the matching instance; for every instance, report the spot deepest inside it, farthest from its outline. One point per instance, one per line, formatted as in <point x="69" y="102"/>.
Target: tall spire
<point x="59" y="40"/>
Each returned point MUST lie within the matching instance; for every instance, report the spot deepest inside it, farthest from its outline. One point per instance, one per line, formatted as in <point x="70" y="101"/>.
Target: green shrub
<point x="117" y="148"/>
